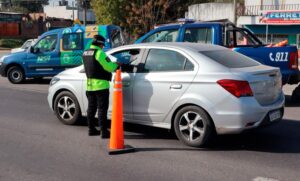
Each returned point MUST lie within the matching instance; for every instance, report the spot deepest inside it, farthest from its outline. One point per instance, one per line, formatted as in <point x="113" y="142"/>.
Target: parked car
<point x="238" y="39"/>
<point x="195" y="89"/>
<point x="25" y="46"/>
<point x="55" y="51"/>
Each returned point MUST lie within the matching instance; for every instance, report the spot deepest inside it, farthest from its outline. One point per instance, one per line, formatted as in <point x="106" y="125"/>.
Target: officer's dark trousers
<point x="97" y="100"/>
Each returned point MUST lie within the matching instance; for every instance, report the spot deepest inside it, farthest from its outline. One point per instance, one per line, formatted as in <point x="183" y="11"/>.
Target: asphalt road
<point x="34" y="145"/>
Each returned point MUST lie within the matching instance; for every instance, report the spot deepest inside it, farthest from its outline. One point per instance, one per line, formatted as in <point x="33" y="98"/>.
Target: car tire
<point x="15" y="75"/>
<point x="296" y="94"/>
<point x="193" y="126"/>
<point x="66" y="108"/>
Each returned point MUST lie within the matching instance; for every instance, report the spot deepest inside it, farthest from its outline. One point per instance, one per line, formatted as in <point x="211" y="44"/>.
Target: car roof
<point x="187" y="24"/>
<point x="198" y="47"/>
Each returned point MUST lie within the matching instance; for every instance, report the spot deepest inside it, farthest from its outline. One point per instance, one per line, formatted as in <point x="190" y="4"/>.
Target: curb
<point x="5" y="50"/>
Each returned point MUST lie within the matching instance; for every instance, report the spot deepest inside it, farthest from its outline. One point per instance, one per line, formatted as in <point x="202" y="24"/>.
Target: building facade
<point x="273" y="20"/>
<point x="211" y="11"/>
<point x="69" y="13"/>
<point x="10" y="24"/>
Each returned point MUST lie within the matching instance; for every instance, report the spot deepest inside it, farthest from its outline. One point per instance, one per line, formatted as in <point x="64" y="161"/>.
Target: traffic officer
<point x="98" y="68"/>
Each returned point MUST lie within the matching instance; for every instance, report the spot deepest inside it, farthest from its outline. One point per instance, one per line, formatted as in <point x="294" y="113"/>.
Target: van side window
<point x="72" y="41"/>
<point x="198" y="35"/>
<point x="47" y="44"/>
<point x="163" y="36"/>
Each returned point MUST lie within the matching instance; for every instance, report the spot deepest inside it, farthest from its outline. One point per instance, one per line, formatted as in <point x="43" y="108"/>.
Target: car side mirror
<point x="34" y="50"/>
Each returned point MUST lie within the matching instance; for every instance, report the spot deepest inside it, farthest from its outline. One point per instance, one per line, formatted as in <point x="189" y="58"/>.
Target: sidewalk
<point x="5" y="49"/>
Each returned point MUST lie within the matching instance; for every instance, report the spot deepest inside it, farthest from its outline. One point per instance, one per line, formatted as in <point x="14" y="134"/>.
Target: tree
<point x="31" y="5"/>
<point x="135" y="16"/>
<point x="139" y="16"/>
<point x="24" y="6"/>
<point x="109" y="11"/>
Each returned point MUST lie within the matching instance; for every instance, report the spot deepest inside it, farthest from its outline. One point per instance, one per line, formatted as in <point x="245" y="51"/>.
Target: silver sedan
<point x="197" y="90"/>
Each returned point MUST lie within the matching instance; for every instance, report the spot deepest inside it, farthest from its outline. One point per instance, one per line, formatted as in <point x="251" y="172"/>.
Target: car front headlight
<point x="54" y="80"/>
<point x="2" y="59"/>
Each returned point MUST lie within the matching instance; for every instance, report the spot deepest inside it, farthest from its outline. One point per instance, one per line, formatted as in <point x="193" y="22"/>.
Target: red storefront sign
<point x="281" y="17"/>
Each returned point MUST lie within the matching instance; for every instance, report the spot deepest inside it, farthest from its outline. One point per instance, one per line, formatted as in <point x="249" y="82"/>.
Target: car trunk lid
<point x="265" y="82"/>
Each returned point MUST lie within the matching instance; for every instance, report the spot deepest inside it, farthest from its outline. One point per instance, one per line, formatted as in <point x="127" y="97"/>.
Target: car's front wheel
<point x="193" y="126"/>
<point x="66" y="108"/>
<point x="15" y="75"/>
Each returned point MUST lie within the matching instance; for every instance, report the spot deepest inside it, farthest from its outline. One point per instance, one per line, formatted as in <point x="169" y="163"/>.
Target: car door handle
<point x="176" y="86"/>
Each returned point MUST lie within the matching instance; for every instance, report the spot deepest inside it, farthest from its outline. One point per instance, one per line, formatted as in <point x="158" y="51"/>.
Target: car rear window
<point x="230" y="59"/>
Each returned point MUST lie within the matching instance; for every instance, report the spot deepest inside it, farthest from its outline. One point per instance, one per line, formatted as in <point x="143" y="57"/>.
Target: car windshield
<point x="26" y="44"/>
<point x="230" y="59"/>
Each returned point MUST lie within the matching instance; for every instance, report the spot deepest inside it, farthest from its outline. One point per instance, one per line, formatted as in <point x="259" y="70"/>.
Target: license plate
<point x="274" y="115"/>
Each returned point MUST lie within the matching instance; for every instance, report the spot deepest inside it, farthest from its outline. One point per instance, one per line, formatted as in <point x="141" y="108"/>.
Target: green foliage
<point x="109" y="11"/>
<point x="139" y="16"/>
<point x="11" y="43"/>
<point x="24" y="6"/>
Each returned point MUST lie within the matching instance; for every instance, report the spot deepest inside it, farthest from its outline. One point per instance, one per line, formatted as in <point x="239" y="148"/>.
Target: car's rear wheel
<point x="15" y="75"/>
<point x="66" y="108"/>
<point x="193" y="126"/>
<point x="296" y="94"/>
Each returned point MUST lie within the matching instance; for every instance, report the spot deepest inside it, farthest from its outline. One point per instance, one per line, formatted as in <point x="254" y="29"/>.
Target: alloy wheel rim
<point x="66" y="108"/>
<point x="191" y="126"/>
<point x="16" y="75"/>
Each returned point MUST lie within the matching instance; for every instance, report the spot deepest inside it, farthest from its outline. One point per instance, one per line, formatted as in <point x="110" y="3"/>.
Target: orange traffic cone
<point x="281" y="44"/>
<point x="270" y="45"/>
<point x="116" y="142"/>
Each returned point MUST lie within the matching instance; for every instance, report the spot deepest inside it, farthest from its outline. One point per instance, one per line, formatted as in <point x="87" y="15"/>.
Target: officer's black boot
<point x="94" y="132"/>
<point x="105" y="133"/>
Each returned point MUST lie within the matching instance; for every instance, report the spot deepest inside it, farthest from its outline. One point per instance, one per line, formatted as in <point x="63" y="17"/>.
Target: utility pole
<point x="234" y="12"/>
<point x="77" y="4"/>
<point x="84" y="11"/>
<point x="73" y="7"/>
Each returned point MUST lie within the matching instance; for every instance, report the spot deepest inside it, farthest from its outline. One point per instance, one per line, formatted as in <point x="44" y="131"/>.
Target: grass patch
<point x="11" y="43"/>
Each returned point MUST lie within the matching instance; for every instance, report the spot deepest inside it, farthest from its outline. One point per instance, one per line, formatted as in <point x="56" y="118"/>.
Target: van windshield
<point x="230" y="59"/>
<point x="163" y="36"/>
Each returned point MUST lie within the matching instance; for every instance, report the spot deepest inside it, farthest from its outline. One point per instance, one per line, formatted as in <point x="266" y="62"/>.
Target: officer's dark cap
<point x="98" y="40"/>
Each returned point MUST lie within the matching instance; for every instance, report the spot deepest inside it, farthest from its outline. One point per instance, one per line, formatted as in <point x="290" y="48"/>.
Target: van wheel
<point x="193" y="126"/>
<point x="66" y="108"/>
<point x="15" y="75"/>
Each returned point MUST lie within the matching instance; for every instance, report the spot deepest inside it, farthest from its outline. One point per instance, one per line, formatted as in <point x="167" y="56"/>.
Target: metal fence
<point x="257" y="10"/>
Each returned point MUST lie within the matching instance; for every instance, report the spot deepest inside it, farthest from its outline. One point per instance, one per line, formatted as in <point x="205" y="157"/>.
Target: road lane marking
<point x="264" y="179"/>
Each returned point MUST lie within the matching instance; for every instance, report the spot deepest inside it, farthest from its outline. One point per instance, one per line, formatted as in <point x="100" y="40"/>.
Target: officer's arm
<point x="105" y="62"/>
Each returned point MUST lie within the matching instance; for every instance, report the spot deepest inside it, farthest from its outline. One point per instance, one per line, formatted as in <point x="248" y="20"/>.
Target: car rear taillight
<point x="238" y="88"/>
<point x="293" y="63"/>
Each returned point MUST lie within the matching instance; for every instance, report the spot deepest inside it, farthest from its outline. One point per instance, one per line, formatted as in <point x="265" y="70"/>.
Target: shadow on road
<point x="41" y="81"/>
<point x="282" y="137"/>
<point x="147" y="132"/>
